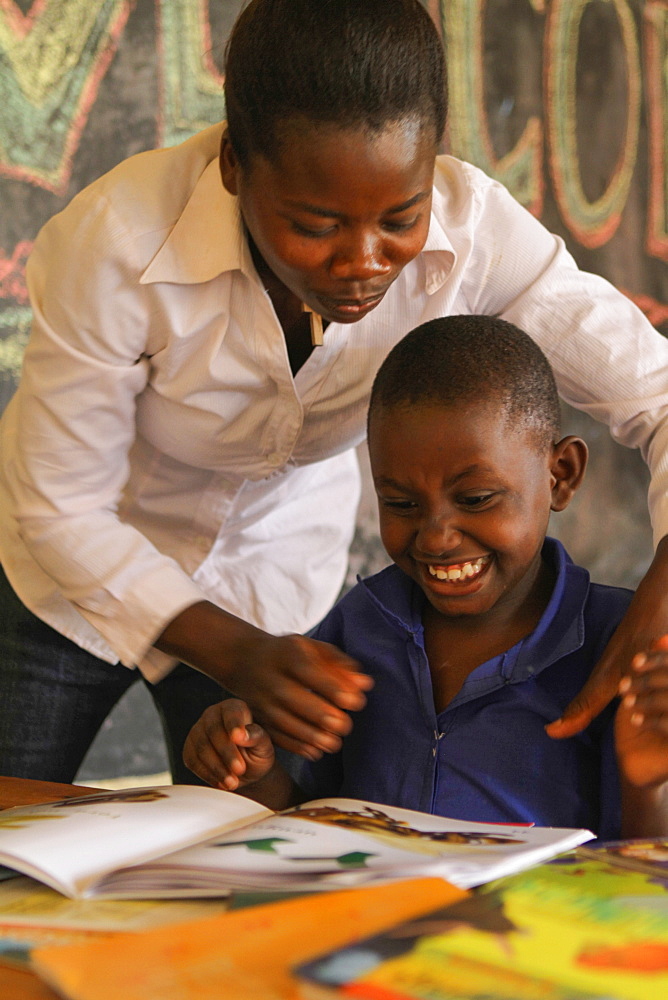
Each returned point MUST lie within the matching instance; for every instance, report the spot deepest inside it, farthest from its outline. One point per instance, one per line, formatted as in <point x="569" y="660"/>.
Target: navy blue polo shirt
<point x="486" y="757"/>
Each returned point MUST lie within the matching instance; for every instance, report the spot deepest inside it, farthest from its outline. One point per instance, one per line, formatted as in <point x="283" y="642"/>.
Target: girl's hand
<point x="227" y="749"/>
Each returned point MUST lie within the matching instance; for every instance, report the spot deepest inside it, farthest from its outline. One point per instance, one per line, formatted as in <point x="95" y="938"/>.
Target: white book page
<point x="70" y="844"/>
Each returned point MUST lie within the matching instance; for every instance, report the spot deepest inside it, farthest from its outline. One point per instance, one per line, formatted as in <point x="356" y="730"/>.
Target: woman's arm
<point x="93" y="355"/>
<point x="298" y="688"/>
<point x="609" y="362"/>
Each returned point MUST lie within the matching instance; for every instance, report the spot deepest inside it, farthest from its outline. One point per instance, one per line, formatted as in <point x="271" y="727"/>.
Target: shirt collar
<point x="559" y="632"/>
<point x="438" y="253"/>
<point x="207" y="238"/>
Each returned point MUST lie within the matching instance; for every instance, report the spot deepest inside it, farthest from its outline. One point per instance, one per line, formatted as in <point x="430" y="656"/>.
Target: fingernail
<point x="363" y="681"/>
<point x="328" y="743"/>
<point x="629" y="701"/>
<point x="639" y="660"/>
<point x="637" y="719"/>
<point x="350" y="700"/>
<point x="624" y="685"/>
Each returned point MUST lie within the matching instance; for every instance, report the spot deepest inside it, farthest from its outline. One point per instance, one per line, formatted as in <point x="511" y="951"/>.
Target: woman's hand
<point x="298" y="689"/>
<point x="641" y="724"/>
<point x="641" y="739"/>
<point x="644" y="622"/>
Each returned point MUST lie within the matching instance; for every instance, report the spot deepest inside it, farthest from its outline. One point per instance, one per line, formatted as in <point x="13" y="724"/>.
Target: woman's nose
<point x="359" y="257"/>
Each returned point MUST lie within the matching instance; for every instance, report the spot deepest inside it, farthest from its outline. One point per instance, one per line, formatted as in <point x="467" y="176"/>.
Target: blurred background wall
<point x="564" y="101"/>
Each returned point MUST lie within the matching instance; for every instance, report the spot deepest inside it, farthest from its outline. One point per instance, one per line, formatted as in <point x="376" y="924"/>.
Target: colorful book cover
<point x="568" y="930"/>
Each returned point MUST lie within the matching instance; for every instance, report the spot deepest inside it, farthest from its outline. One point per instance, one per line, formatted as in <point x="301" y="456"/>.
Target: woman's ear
<point x="567" y="469"/>
<point x="229" y="165"/>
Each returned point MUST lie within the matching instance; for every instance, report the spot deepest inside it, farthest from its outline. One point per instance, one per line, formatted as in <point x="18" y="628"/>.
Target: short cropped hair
<point x="472" y="359"/>
<point x="351" y="63"/>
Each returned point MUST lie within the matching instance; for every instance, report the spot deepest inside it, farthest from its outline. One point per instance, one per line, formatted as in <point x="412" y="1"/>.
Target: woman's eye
<point x="400" y="227"/>
<point x="313" y="234"/>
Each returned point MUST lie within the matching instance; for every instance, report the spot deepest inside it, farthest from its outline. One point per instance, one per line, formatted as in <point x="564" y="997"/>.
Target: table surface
<point x="15" y="983"/>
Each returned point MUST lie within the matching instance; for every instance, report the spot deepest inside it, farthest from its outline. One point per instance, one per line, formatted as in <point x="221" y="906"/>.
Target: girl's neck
<point x="456" y="646"/>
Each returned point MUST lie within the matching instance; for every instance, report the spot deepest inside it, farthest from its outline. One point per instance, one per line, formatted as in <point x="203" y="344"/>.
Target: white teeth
<point x="462" y="572"/>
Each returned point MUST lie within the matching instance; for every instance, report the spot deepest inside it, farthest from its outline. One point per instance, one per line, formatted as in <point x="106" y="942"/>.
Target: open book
<point x="188" y="840"/>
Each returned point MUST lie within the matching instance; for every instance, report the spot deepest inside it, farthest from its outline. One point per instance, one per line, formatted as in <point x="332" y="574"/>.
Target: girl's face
<point x="464" y="501"/>
<point x="339" y="214"/>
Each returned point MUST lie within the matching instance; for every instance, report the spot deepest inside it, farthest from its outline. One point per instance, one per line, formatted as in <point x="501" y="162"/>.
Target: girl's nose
<point x="438" y="537"/>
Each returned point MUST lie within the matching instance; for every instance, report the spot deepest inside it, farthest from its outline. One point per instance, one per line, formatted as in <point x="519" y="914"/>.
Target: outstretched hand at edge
<point x="645" y="621"/>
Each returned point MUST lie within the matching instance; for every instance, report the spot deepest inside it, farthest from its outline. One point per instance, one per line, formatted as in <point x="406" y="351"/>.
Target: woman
<point x="179" y="478"/>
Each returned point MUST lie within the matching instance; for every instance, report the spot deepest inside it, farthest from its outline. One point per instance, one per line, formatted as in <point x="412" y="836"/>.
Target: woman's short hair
<point x="351" y="63"/>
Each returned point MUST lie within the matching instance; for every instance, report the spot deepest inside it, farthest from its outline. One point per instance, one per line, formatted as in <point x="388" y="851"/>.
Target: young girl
<point x="178" y="472"/>
<point x="483" y="629"/>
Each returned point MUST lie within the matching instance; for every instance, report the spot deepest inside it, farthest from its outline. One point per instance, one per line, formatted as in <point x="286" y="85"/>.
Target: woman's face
<point x="339" y="214"/>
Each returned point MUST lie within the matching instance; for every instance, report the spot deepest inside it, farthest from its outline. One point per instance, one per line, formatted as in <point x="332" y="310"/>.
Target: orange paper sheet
<point x="242" y="955"/>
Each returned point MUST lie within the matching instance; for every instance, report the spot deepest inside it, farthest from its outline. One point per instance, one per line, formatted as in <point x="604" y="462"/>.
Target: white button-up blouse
<point x="158" y="450"/>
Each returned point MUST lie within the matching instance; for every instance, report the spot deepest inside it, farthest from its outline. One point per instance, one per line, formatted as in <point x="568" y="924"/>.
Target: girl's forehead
<point x="464" y="424"/>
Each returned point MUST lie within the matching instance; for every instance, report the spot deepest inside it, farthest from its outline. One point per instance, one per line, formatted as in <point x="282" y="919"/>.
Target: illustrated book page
<point x="339" y="843"/>
<point x="189" y="840"/>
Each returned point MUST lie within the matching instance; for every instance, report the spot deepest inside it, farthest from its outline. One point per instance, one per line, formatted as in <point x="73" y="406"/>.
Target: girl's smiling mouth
<point x="459" y="572"/>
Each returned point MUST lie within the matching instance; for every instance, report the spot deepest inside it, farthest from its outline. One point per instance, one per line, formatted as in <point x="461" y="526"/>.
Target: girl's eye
<point x="476" y="500"/>
<point x="397" y="506"/>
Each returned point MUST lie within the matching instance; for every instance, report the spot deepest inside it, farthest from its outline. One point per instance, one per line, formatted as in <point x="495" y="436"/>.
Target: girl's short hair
<point x="351" y="63"/>
<point x="472" y="359"/>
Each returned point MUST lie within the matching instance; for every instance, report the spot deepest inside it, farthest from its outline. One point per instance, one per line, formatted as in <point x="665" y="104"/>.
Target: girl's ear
<point x="229" y="165"/>
<point x="567" y="469"/>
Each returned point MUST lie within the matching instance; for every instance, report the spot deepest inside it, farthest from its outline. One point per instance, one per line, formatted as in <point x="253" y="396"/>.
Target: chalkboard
<point x="564" y="101"/>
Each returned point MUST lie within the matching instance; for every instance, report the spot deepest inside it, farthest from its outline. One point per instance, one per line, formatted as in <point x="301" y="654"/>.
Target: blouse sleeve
<point x="608" y="360"/>
<point x="85" y="364"/>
